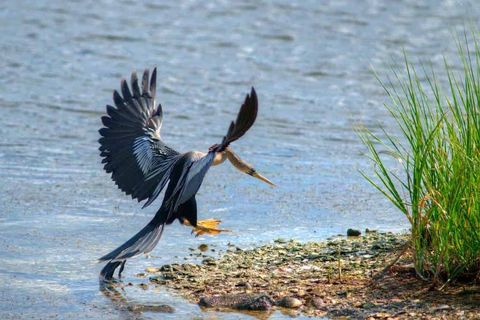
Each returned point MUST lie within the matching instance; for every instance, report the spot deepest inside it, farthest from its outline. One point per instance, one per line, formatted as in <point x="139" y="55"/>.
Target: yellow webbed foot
<point x="208" y="226"/>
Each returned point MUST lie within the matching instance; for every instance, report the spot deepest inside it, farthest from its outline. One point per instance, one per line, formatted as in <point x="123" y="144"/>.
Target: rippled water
<point x="311" y="65"/>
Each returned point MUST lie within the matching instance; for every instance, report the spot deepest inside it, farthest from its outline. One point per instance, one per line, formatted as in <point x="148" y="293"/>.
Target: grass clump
<point x="438" y="151"/>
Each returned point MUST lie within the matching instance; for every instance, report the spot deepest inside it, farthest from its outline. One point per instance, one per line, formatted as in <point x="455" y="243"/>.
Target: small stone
<point x="169" y="268"/>
<point x="353" y="233"/>
<point x="238" y="301"/>
<point x="289" y="302"/>
<point x="152" y="269"/>
<point x="151" y="308"/>
<point x="280" y="240"/>
<point x="209" y="261"/>
<point x="318" y="303"/>
<point x="246" y="285"/>
<point x="368" y="305"/>
<point x="441" y="307"/>
<point x="203" y="247"/>
<point x="343" y="294"/>
<point x="382" y="315"/>
<point x="144" y="286"/>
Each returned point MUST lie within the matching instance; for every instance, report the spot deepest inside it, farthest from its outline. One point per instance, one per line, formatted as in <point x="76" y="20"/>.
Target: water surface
<point x="311" y="65"/>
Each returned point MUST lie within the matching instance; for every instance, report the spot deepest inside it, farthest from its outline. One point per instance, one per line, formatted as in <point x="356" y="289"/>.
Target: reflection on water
<point x="310" y="63"/>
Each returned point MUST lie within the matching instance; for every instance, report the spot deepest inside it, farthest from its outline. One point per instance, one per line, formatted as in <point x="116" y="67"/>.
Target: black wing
<point x="245" y="119"/>
<point x="131" y="147"/>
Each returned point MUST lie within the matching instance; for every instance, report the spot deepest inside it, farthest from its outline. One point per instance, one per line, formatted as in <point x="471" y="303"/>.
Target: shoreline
<point x="332" y="278"/>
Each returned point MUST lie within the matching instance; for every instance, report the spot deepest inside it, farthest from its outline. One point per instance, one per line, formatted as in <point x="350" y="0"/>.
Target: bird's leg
<point x="121" y="269"/>
<point x="207" y="226"/>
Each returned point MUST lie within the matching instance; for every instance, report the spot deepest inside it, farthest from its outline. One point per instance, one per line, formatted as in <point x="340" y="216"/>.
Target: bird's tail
<point x="143" y="242"/>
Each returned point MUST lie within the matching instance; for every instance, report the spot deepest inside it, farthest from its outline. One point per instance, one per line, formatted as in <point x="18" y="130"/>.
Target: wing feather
<point x="131" y="148"/>
<point x="245" y="119"/>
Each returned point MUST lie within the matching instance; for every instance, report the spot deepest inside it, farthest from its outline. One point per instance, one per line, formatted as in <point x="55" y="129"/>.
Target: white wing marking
<point x="143" y="153"/>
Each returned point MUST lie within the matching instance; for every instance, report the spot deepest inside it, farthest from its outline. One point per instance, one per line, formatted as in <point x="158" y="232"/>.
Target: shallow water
<point x="311" y="66"/>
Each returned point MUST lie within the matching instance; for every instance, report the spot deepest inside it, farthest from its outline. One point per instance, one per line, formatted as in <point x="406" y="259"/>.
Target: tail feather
<point x="143" y="242"/>
<point x="107" y="272"/>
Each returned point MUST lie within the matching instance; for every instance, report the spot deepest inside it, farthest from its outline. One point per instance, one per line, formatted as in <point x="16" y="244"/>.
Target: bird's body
<point x="142" y="165"/>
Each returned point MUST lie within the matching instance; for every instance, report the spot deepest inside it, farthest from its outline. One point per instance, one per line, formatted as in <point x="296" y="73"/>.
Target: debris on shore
<point x="333" y="278"/>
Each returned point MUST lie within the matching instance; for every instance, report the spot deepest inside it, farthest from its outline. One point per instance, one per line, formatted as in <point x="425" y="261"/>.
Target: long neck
<point x="239" y="163"/>
<point x="220" y="158"/>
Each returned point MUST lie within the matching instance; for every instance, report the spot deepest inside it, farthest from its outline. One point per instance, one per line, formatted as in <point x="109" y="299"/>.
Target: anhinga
<point x="141" y="164"/>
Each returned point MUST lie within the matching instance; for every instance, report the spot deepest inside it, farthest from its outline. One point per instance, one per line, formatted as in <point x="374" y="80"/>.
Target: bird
<point x="142" y="165"/>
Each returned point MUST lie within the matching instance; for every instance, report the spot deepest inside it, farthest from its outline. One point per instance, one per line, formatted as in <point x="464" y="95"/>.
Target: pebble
<point x="209" y="261"/>
<point x="441" y="307"/>
<point x="368" y="305"/>
<point x="318" y="303"/>
<point x="203" y="247"/>
<point x="152" y="269"/>
<point x="151" y="308"/>
<point x="353" y="233"/>
<point x="289" y="302"/>
<point x="238" y="301"/>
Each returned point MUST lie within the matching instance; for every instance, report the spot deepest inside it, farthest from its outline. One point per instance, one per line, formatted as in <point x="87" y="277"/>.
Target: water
<point x="311" y="66"/>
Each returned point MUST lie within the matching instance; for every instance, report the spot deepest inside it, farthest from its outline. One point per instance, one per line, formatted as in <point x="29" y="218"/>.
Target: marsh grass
<point x="438" y="151"/>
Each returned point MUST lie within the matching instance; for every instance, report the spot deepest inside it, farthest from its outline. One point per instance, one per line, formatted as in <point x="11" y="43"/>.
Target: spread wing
<point x="131" y="147"/>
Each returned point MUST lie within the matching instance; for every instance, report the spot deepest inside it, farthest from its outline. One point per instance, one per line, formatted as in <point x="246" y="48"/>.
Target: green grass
<point x="438" y="152"/>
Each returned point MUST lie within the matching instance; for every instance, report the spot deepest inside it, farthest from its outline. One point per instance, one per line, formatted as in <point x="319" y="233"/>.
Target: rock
<point x="169" y="276"/>
<point x="441" y="307"/>
<point x="368" y="305"/>
<point x="203" y="247"/>
<point x="246" y="285"/>
<point x="289" y="302"/>
<point x="343" y="294"/>
<point x="158" y="280"/>
<point x="318" y="303"/>
<point x="151" y="308"/>
<point x="353" y="233"/>
<point x="238" y="301"/>
<point x="152" y="269"/>
<point x="209" y="261"/>
<point x="382" y="315"/>
<point x="169" y="268"/>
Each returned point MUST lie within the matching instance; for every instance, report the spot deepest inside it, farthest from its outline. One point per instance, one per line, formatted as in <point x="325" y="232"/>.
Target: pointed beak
<point x="257" y="175"/>
<point x="245" y="167"/>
